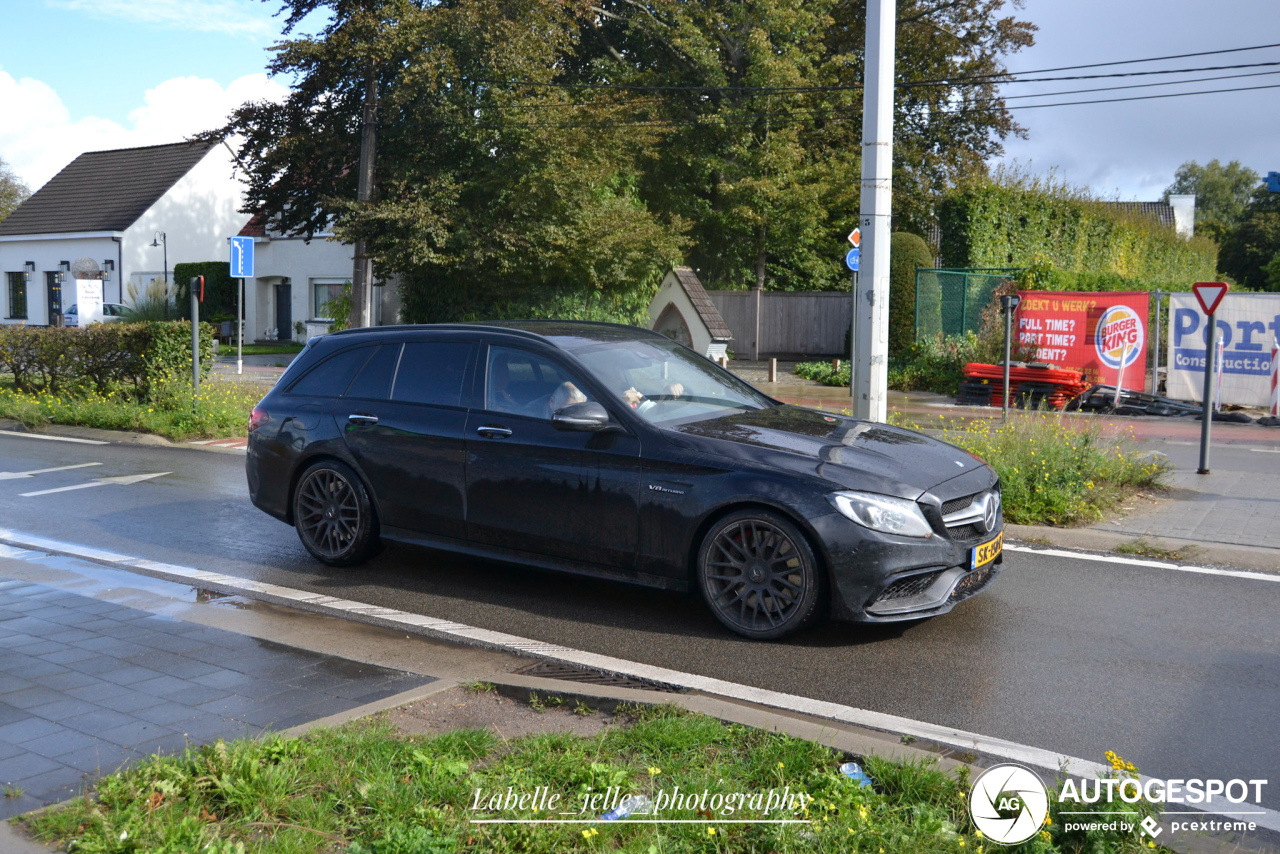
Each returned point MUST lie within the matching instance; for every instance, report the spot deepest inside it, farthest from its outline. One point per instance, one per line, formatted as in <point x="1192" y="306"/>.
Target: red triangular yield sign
<point x="1210" y="294"/>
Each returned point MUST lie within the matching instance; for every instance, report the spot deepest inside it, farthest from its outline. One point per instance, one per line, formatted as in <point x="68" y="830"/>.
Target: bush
<point x="1056" y="469"/>
<point x="907" y="253"/>
<point x="220" y="290"/>
<point x="1015" y="221"/>
<point x="144" y="356"/>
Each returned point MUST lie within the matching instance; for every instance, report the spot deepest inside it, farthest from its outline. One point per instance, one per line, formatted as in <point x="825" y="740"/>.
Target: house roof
<point x="255" y="227"/>
<point x="705" y="307"/>
<point x="104" y="190"/>
<point x="1162" y="211"/>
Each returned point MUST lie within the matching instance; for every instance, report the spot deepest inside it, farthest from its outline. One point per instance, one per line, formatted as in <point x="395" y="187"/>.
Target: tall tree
<point x="1221" y="191"/>
<point x="1250" y="246"/>
<point x="13" y="190"/>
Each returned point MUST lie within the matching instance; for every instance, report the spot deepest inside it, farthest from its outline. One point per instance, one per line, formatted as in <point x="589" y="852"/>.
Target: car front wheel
<point x="333" y="515"/>
<point x="759" y="575"/>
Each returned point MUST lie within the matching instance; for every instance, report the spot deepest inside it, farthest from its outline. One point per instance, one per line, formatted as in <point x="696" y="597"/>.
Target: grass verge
<point x="364" y="790"/>
<point x="1141" y="547"/>
<point x="222" y="410"/>
<point x="262" y="349"/>
<point x="1054" y="469"/>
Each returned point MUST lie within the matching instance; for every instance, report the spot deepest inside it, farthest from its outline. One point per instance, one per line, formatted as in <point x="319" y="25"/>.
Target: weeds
<point x="361" y="789"/>
<point x="1141" y="547"/>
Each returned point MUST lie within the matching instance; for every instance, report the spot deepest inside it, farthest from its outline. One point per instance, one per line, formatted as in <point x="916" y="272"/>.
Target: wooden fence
<point x="790" y="324"/>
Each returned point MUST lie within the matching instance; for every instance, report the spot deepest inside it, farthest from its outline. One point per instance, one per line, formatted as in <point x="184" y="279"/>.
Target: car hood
<point x="845" y="451"/>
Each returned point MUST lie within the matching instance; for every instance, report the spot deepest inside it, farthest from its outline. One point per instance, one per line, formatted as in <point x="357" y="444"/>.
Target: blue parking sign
<point x="242" y="257"/>
<point x="852" y="259"/>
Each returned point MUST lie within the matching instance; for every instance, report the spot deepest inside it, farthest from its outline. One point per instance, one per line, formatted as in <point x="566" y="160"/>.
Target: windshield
<point x="664" y="382"/>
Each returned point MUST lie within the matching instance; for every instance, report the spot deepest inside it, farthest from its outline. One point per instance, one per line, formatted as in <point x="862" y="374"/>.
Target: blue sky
<point x="78" y="75"/>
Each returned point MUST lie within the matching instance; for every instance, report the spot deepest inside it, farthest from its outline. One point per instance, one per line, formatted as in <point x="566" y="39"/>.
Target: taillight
<point x="257" y="418"/>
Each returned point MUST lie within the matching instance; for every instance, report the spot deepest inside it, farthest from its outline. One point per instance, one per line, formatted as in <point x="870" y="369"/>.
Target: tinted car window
<point x="374" y="380"/>
<point x="331" y="377"/>
<point x="432" y="372"/>
<point x="524" y="383"/>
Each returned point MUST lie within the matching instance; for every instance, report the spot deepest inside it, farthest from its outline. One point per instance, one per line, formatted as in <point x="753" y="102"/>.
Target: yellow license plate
<point x="987" y="552"/>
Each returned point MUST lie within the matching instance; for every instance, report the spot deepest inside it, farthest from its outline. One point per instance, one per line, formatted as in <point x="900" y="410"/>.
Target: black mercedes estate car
<point x="612" y="451"/>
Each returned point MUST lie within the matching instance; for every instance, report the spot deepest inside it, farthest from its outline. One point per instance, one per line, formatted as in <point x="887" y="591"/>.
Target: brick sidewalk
<point x="88" y="685"/>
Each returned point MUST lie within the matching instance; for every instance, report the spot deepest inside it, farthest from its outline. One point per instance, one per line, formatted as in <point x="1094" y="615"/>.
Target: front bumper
<point x="879" y="578"/>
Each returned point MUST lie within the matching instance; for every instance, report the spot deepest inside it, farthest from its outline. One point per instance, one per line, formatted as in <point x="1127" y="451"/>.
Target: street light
<point x="159" y="239"/>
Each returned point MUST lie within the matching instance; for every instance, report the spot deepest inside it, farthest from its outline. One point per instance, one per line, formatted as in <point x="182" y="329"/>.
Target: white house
<point x="111" y="206"/>
<point x="136" y="212"/>
<point x="294" y="279"/>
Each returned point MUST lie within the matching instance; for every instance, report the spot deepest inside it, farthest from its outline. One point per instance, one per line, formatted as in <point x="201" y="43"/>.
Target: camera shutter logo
<point x="1008" y="804"/>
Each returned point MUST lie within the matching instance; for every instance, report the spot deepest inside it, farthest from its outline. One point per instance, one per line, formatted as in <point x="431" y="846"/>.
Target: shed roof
<point x="1162" y="211"/>
<point x="705" y="307"/>
<point x="104" y="190"/>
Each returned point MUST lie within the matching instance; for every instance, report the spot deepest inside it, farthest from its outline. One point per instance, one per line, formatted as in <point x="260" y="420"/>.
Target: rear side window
<point x="331" y="377"/>
<point x="374" y="380"/>
<point x="432" y="372"/>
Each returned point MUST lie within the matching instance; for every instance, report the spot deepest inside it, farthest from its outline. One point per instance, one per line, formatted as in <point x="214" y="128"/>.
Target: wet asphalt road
<point x="1179" y="673"/>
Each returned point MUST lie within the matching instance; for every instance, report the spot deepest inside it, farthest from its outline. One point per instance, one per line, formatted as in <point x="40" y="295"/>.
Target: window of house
<point x="17" y="296"/>
<point x="324" y="291"/>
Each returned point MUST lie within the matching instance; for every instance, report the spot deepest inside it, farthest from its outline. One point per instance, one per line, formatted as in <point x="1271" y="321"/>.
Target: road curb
<point x="1255" y="558"/>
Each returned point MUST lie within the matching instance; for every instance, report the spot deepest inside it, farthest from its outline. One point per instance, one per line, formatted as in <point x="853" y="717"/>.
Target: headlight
<point x="882" y="513"/>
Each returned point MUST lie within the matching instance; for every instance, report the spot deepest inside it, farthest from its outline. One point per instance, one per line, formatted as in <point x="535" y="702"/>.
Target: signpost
<point x="1210" y="295"/>
<point x="1009" y="303"/>
<point x="197" y="297"/>
<point x="241" y="268"/>
<point x="852" y="260"/>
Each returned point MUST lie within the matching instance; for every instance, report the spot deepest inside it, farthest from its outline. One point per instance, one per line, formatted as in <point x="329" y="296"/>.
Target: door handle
<point x="493" y="432"/>
<point x="362" y="419"/>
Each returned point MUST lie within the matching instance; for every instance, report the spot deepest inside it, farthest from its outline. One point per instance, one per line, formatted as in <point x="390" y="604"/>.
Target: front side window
<point x="524" y="383"/>
<point x="17" y="296"/>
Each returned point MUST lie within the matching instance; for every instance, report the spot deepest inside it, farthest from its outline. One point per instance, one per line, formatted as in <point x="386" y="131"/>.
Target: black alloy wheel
<point x="759" y="575"/>
<point x="333" y="515"/>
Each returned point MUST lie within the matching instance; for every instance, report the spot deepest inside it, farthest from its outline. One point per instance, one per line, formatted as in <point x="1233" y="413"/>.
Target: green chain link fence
<point x="950" y="301"/>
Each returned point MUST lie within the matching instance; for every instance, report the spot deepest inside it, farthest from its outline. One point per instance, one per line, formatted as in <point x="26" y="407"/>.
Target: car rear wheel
<point x="333" y="515"/>
<point x="759" y="575"/>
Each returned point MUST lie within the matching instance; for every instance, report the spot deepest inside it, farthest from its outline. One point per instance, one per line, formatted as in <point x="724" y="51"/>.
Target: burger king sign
<point x="1102" y="335"/>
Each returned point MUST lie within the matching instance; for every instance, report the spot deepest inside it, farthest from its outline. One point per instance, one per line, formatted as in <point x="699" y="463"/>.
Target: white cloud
<point x="40" y="137"/>
<point x="231" y="17"/>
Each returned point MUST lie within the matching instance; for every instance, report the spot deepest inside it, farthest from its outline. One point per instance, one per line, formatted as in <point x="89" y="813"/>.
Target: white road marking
<point x="123" y="480"/>
<point x="52" y="438"/>
<point x="13" y="475"/>
<point x="474" y="636"/>
<point x="1265" y="450"/>
<point x="1149" y="564"/>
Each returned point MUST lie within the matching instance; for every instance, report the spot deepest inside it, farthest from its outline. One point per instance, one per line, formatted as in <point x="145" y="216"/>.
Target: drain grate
<point x="569" y="673"/>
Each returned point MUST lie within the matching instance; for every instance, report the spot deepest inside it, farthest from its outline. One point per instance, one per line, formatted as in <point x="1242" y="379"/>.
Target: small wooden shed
<point x="683" y="312"/>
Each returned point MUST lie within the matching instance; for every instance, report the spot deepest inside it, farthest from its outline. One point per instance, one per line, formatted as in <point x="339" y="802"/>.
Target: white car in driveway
<point x="111" y="312"/>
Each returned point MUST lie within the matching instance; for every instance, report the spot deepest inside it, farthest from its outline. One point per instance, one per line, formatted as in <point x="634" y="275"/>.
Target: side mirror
<point x="589" y="417"/>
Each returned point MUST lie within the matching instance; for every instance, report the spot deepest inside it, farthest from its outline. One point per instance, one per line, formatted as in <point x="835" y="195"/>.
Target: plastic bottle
<point x="630" y="805"/>
<point x="854" y="772"/>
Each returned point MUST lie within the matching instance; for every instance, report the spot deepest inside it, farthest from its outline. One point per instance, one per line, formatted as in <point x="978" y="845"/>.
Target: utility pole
<point x="362" y="274"/>
<point x="871" y="334"/>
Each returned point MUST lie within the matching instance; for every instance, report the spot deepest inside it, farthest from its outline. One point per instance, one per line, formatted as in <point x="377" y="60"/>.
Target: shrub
<point x="220" y="290"/>
<point x="908" y="252"/>
<point x="143" y="356"/>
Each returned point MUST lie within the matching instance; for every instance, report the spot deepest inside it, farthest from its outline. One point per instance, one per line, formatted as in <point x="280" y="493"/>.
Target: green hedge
<point x="144" y="356"/>
<point x="219" y="288"/>
<point x="1083" y="243"/>
<point x="906" y="253"/>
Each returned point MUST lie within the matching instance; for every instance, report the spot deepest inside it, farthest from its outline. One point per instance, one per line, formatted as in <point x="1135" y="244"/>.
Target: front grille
<point x="966" y="533"/>
<point x="908" y="587"/>
<point x="955" y="504"/>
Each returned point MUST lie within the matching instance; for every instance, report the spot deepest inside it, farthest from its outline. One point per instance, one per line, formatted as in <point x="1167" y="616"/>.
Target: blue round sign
<point x="851" y="260"/>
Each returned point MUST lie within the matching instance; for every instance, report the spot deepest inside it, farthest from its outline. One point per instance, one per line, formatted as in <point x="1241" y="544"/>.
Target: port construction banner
<point x="1247" y="326"/>
<point x="1099" y="334"/>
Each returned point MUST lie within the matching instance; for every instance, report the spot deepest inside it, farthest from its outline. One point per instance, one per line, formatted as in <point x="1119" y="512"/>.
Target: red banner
<point x="1100" y="334"/>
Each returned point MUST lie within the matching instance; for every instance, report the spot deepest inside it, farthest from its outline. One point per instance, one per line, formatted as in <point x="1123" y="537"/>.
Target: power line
<point x="1141" y="85"/>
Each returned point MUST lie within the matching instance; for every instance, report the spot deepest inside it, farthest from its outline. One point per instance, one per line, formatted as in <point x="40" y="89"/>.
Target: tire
<point x="759" y="576"/>
<point x="333" y="515"/>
